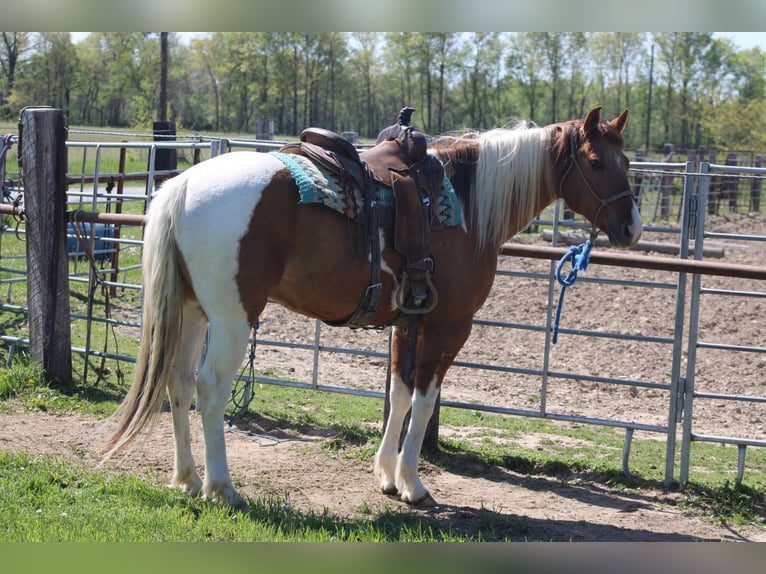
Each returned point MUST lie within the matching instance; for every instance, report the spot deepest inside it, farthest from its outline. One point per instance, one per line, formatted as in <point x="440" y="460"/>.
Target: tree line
<point x="690" y="89"/>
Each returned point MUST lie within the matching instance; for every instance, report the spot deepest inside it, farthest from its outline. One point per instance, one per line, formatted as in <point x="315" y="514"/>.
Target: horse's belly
<point x="329" y="269"/>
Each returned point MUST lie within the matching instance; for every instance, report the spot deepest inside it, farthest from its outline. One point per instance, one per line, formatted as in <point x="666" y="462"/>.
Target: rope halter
<point x="603" y="202"/>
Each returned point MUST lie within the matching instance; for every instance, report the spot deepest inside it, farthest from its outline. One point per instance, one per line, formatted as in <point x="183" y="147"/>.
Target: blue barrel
<point x="102" y="249"/>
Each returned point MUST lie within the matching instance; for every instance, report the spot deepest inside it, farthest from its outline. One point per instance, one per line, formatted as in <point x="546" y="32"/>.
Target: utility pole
<point x="649" y="101"/>
<point x="165" y="159"/>
<point x="163" y="115"/>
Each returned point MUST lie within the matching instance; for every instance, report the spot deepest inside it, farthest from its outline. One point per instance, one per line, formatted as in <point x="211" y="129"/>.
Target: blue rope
<point x="580" y="257"/>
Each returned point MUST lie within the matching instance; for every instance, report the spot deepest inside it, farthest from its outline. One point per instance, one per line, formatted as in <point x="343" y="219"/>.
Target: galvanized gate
<point x="527" y="382"/>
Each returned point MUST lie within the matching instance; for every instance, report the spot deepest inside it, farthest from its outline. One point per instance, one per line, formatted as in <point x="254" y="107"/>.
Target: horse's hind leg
<point x="225" y="351"/>
<point x="181" y="393"/>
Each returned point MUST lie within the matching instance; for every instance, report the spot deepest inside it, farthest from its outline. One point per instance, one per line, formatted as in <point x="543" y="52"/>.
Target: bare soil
<point x="497" y="502"/>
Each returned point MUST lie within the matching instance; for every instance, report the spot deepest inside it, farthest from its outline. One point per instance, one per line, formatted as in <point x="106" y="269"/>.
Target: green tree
<point x="733" y="112"/>
<point x="551" y="46"/>
<point x="684" y="57"/>
<point x="450" y="57"/>
<point x="401" y="66"/>
<point x="204" y="74"/>
<point x="525" y="61"/>
<point x="46" y="76"/>
<point x="364" y="62"/>
<point x="620" y="53"/>
<point x="695" y="54"/>
<point x="481" y="76"/>
<point x="577" y="46"/>
<point x="12" y="48"/>
<point x="224" y="81"/>
<point x="748" y="70"/>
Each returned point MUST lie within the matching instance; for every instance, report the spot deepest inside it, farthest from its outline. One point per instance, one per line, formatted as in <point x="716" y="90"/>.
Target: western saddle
<point x="399" y="161"/>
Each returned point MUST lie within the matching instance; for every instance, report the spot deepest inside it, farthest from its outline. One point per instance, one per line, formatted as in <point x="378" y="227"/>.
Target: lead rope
<point x="579" y="255"/>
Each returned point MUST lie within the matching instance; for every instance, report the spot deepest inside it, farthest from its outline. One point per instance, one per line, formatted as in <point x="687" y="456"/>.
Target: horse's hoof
<point x="425" y="501"/>
<point x="389" y="490"/>
<point x="227" y="496"/>
<point x="239" y="503"/>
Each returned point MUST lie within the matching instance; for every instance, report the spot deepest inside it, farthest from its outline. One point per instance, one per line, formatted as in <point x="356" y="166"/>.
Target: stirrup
<point x="416" y="308"/>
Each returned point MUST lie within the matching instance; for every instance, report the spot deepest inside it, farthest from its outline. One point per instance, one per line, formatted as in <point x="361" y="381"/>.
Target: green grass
<point x="23" y="385"/>
<point x="566" y="452"/>
<point x="45" y="500"/>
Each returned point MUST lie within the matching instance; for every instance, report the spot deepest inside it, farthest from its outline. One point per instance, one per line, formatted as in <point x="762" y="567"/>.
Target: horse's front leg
<point x="411" y="489"/>
<point x="436" y="349"/>
<point x="400" y="400"/>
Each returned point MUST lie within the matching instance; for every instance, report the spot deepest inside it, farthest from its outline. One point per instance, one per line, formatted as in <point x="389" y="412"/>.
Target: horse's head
<point x="593" y="175"/>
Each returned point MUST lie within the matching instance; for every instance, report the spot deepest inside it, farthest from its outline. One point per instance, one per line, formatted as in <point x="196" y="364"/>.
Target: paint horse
<point x="229" y="233"/>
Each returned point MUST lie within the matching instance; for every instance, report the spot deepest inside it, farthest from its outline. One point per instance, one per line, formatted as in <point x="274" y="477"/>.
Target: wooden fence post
<point x="42" y="135"/>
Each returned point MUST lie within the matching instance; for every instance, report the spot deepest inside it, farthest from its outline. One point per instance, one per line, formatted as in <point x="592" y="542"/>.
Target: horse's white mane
<point x="514" y="167"/>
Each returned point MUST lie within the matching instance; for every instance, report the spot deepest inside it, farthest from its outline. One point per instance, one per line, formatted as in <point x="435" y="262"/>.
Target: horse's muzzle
<point x="626" y="233"/>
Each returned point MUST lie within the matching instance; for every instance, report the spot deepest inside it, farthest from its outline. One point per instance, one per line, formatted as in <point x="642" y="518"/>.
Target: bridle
<point x="602" y="202"/>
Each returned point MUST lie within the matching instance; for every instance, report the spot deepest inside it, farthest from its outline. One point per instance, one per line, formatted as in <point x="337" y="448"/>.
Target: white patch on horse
<point x="386" y="457"/>
<point x="408" y="483"/>
<point x="220" y="201"/>
<point x="386" y="268"/>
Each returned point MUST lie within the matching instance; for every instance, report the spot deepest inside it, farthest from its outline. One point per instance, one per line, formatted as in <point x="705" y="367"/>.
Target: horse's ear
<point x="591" y="121"/>
<point x="620" y="122"/>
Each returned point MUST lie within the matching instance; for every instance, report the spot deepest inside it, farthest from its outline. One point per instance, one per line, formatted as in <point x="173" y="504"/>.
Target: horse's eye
<point x="596" y="164"/>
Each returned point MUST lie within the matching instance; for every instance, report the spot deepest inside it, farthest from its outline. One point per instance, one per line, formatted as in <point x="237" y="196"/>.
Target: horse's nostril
<point x="631" y="232"/>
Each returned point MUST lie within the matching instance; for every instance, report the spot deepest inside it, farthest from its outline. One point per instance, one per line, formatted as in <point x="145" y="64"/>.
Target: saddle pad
<point x="316" y="185"/>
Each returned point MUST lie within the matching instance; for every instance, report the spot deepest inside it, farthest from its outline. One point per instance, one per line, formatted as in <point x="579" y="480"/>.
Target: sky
<point x="744" y="40"/>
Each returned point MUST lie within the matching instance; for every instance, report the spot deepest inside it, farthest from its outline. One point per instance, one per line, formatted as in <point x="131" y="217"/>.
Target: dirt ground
<point x="522" y="507"/>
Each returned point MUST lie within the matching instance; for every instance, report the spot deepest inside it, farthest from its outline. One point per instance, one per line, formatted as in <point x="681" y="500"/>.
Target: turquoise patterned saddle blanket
<point x="316" y="185"/>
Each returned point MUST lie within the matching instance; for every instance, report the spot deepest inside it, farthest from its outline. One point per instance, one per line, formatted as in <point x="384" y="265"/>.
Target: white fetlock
<point x="384" y="470"/>
<point x="223" y="493"/>
<point x="411" y="490"/>
<point x="191" y="484"/>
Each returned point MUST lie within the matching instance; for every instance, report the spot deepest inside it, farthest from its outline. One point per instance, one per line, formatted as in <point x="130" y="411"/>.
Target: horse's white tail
<point x="161" y="317"/>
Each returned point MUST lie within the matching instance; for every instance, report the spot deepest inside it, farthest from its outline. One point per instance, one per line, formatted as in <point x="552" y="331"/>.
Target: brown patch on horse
<point x="260" y="270"/>
<point x="187" y="289"/>
<point x="315" y="263"/>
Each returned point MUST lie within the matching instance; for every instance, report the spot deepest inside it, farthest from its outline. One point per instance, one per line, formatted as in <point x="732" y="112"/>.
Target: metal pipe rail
<point x="681" y="266"/>
<point x="691" y="266"/>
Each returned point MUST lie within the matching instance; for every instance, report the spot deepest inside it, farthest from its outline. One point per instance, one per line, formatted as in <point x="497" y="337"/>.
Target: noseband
<point x="602" y="202"/>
